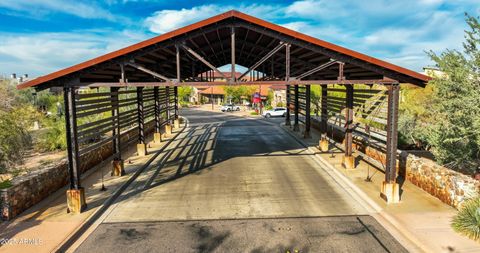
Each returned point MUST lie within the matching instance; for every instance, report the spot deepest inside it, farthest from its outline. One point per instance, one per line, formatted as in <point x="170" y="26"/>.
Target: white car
<point x="230" y="108"/>
<point x="275" y="112"/>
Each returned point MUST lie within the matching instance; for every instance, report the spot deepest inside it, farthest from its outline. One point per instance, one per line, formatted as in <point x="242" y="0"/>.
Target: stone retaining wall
<point x="28" y="190"/>
<point x="450" y="186"/>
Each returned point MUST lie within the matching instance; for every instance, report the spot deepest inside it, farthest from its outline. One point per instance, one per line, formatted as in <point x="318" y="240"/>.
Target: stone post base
<point x="323" y="144"/>
<point x="296" y="128"/>
<point x="157" y="138"/>
<point x="142" y="149"/>
<point x="390" y="192"/>
<point x="348" y="162"/>
<point x="176" y="123"/>
<point x="118" y="168"/>
<point x="76" y="200"/>
<point x="168" y="129"/>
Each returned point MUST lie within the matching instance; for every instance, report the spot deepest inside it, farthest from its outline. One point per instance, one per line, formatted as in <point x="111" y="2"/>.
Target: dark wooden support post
<point x="141" y="145"/>
<point x="157" y="136"/>
<point x="117" y="163"/>
<point x="232" y="41"/>
<point x="390" y="189"/>
<point x="168" y="126"/>
<point x="287" y="116"/>
<point x="306" y="133"/>
<point x="287" y="78"/>
<point x="348" y="159"/>
<point x="167" y="92"/>
<point x="76" y="194"/>
<point x="177" y="55"/>
<point x="176" y="121"/>
<point x="295" y="123"/>
<point x="324" y="123"/>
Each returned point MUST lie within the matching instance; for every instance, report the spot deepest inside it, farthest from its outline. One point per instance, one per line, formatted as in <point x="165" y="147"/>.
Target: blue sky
<point x="41" y="36"/>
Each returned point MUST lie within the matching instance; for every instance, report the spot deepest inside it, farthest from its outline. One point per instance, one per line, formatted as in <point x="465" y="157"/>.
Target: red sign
<point x="257" y="98"/>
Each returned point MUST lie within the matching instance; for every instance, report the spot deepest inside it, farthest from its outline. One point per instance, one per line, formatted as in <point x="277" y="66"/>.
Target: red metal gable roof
<point x="213" y="20"/>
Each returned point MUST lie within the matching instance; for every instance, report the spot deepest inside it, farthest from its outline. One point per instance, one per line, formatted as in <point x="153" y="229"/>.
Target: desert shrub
<point x="55" y="136"/>
<point x="5" y="184"/>
<point x="16" y="117"/>
<point x="14" y="138"/>
<point x="467" y="220"/>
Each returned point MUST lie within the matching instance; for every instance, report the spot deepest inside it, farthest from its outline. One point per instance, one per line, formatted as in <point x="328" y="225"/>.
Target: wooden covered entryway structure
<point x="140" y="82"/>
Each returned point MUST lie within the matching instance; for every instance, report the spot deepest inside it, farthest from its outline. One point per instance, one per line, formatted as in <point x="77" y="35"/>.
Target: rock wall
<point x="450" y="186"/>
<point x="28" y="190"/>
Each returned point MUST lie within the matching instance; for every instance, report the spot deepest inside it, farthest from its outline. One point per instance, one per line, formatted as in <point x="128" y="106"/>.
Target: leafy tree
<point x="269" y="98"/>
<point x="15" y="118"/>
<point x="455" y="132"/>
<point x="237" y="92"/>
<point x="415" y="116"/>
<point x="184" y="93"/>
<point x="315" y="98"/>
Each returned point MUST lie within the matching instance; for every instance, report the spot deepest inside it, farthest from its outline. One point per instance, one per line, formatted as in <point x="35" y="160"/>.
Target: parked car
<point x="230" y="108"/>
<point x="275" y="112"/>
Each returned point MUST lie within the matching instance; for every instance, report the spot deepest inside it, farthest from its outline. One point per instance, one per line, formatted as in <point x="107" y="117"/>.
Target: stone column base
<point x="157" y="138"/>
<point x="118" y="168"/>
<point x="296" y="127"/>
<point x="142" y="149"/>
<point x="168" y="129"/>
<point x="176" y="123"/>
<point x="348" y="162"/>
<point x="323" y="144"/>
<point x="390" y="192"/>
<point x="76" y="201"/>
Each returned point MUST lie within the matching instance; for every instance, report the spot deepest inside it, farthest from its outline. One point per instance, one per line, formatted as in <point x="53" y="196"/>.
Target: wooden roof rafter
<point x="209" y="39"/>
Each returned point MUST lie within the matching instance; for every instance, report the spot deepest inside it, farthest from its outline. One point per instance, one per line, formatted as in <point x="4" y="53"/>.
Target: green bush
<point x="253" y="113"/>
<point x="5" y="184"/>
<point x="13" y="139"/>
<point x="467" y="221"/>
<point x="55" y="137"/>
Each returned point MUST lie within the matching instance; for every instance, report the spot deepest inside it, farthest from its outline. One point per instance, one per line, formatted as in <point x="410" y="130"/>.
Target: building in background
<point x="279" y="98"/>
<point x="205" y="94"/>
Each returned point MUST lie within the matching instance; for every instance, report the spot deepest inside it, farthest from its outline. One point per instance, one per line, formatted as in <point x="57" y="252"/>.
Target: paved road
<point x="234" y="184"/>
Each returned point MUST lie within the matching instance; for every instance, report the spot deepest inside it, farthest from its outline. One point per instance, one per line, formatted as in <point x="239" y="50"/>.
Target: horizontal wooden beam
<point x="220" y="83"/>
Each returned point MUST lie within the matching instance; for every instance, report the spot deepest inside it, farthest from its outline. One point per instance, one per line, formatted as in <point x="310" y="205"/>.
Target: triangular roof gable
<point x="417" y="77"/>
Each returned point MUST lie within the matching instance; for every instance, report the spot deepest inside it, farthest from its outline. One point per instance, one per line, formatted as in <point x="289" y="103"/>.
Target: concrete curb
<point x="66" y="244"/>
<point x="405" y="237"/>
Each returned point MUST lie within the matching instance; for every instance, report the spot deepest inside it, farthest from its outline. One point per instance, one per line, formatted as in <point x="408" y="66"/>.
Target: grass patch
<point x="467" y="221"/>
<point x="253" y="113"/>
<point x="5" y="184"/>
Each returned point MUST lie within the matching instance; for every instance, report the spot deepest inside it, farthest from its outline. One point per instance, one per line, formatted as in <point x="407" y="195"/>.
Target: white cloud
<point x="388" y="30"/>
<point x="43" y="7"/>
<point x="41" y="53"/>
<point x="167" y="20"/>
